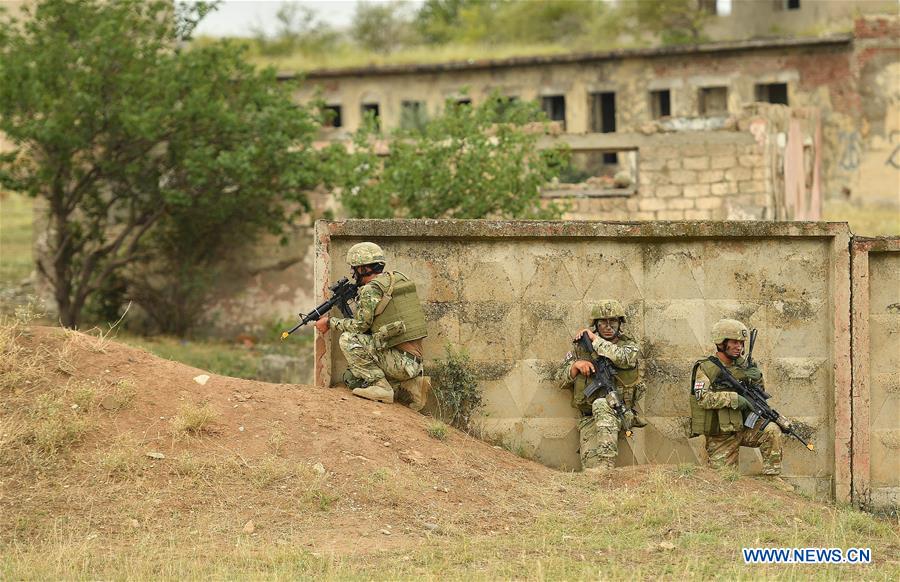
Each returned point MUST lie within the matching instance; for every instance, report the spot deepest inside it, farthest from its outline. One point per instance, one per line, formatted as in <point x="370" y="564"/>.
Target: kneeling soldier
<point x="719" y="413"/>
<point x="383" y="340"/>
<point x="600" y="425"/>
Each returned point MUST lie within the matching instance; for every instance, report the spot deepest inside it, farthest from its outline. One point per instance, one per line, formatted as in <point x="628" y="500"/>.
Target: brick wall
<point x="733" y="173"/>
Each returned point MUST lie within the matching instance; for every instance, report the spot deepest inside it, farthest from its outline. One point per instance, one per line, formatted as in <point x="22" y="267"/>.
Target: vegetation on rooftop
<point x="453" y="30"/>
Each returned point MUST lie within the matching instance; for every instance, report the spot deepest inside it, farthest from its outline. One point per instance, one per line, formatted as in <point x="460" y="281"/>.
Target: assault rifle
<point x="342" y="293"/>
<point x="603" y="381"/>
<point x="757" y="397"/>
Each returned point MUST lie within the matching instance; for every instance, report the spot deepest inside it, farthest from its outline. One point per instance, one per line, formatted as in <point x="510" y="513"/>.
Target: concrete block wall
<point x="761" y="165"/>
<point x="876" y="372"/>
<point x="705" y="180"/>
<point x="514" y="293"/>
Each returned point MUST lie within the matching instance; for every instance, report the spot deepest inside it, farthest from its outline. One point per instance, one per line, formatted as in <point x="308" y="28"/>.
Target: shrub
<point x="195" y="419"/>
<point x="437" y="430"/>
<point x="456" y="389"/>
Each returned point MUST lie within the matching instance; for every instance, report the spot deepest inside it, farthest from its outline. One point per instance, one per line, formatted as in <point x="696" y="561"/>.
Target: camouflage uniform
<point x="369" y="362"/>
<point x="715" y="410"/>
<point x="383" y="340"/>
<point x="599" y="426"/>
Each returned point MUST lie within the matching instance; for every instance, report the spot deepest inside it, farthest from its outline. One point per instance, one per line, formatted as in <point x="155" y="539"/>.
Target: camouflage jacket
<point x="361" y="322"/>
<point x="713" y="395"/>
<point x="623" y="354"/>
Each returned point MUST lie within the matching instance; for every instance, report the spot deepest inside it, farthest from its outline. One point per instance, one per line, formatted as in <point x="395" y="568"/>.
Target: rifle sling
<point x="722" y="368"/>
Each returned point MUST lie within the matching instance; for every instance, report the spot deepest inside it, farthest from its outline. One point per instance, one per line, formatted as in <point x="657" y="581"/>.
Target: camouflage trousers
<point x="599" y="442"/>
<point x="371" y="365"/>
<point x="723" y="449"/>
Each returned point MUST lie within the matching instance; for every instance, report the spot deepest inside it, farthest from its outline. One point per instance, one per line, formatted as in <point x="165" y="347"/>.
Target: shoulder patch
<point x="699" y="388"/>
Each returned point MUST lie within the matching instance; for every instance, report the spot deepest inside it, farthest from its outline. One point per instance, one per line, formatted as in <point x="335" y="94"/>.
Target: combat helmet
<point x="365" y="253"/>
<point x="606" y="309"/>
<point x="729" y="329"/>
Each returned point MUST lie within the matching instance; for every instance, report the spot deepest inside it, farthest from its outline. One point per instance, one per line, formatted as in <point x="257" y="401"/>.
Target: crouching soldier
<point x="719" y="413"/>
<point x="600" y="424"/>
<point x="383" y="340"/>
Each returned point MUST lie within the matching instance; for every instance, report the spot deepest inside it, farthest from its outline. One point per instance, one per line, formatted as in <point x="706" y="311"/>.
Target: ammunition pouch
<point x="385" y="333"/>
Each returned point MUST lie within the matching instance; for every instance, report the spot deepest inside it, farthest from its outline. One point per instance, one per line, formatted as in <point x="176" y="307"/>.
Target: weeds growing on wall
<point x="456" y="389"/>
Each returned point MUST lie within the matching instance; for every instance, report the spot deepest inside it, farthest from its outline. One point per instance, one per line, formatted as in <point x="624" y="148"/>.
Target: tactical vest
<point x="715" y="421"/>
<point x="625" y="378"/>
<point x="399" y="316"/>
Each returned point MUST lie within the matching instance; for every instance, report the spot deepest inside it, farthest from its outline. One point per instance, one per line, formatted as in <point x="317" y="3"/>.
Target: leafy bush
<point x="456" y="389"/>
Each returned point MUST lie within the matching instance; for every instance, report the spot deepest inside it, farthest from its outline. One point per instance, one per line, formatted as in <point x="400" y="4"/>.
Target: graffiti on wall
<point x="894" y="158"/>
<point x="851" y="149"/>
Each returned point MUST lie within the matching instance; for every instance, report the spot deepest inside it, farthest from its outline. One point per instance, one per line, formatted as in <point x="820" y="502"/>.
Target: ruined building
<point x="680" y="126"/>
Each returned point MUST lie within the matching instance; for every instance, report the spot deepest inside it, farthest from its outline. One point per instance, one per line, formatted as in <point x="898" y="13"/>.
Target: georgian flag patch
<point x="699" y="386"/>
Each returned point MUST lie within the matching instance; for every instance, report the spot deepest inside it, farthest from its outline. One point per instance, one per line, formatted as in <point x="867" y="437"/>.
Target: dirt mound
<point x="323" y="439"/>
<point x="122" y="464"/>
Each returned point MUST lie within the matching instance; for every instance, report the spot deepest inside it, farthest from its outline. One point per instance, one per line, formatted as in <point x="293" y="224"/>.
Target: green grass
<point x="347" y="56"/>
<point x="219" y="357"/>
<point x="16" y="261"/>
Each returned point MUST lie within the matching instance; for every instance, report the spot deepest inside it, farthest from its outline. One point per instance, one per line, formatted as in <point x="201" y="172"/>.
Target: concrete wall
<point x="513" y="293"/>
<point x="876" y="372"/>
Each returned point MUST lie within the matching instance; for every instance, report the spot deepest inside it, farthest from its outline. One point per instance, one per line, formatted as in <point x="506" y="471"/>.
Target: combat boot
<point x="418" y="389"/>
<point x="380" y="391"/>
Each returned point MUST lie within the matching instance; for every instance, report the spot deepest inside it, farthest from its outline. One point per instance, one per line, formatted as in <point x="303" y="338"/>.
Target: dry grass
<point x="99" y="508"/>
<point x="277" y="438"/>
<point x="41" y="419"/>
<point x="436" y="430"/>
<point x="195" y="419"/>
<point x="656" y="525"/>
<point x="122" y="459"/>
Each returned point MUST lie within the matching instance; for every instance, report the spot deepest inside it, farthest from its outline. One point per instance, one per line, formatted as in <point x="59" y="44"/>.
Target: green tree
<point x="468" y="162"/>
<point x="298" y="30"/>
<point x="437" y="21"/>
<point x="381" y="28"/>
<point x="559" y="21"/>
<point x="143" y="151"/>
<point x="673" y="21"/>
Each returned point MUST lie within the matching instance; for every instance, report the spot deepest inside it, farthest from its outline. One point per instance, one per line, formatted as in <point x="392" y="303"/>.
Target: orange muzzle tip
<point x="810" y="447"/>
<point x="284" y="335"/>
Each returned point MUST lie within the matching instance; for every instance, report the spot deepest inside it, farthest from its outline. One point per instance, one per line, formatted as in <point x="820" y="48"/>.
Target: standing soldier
<point x="718" y="412"/>
<point x="383" y="340"/>
<point x="599" y="426"/>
